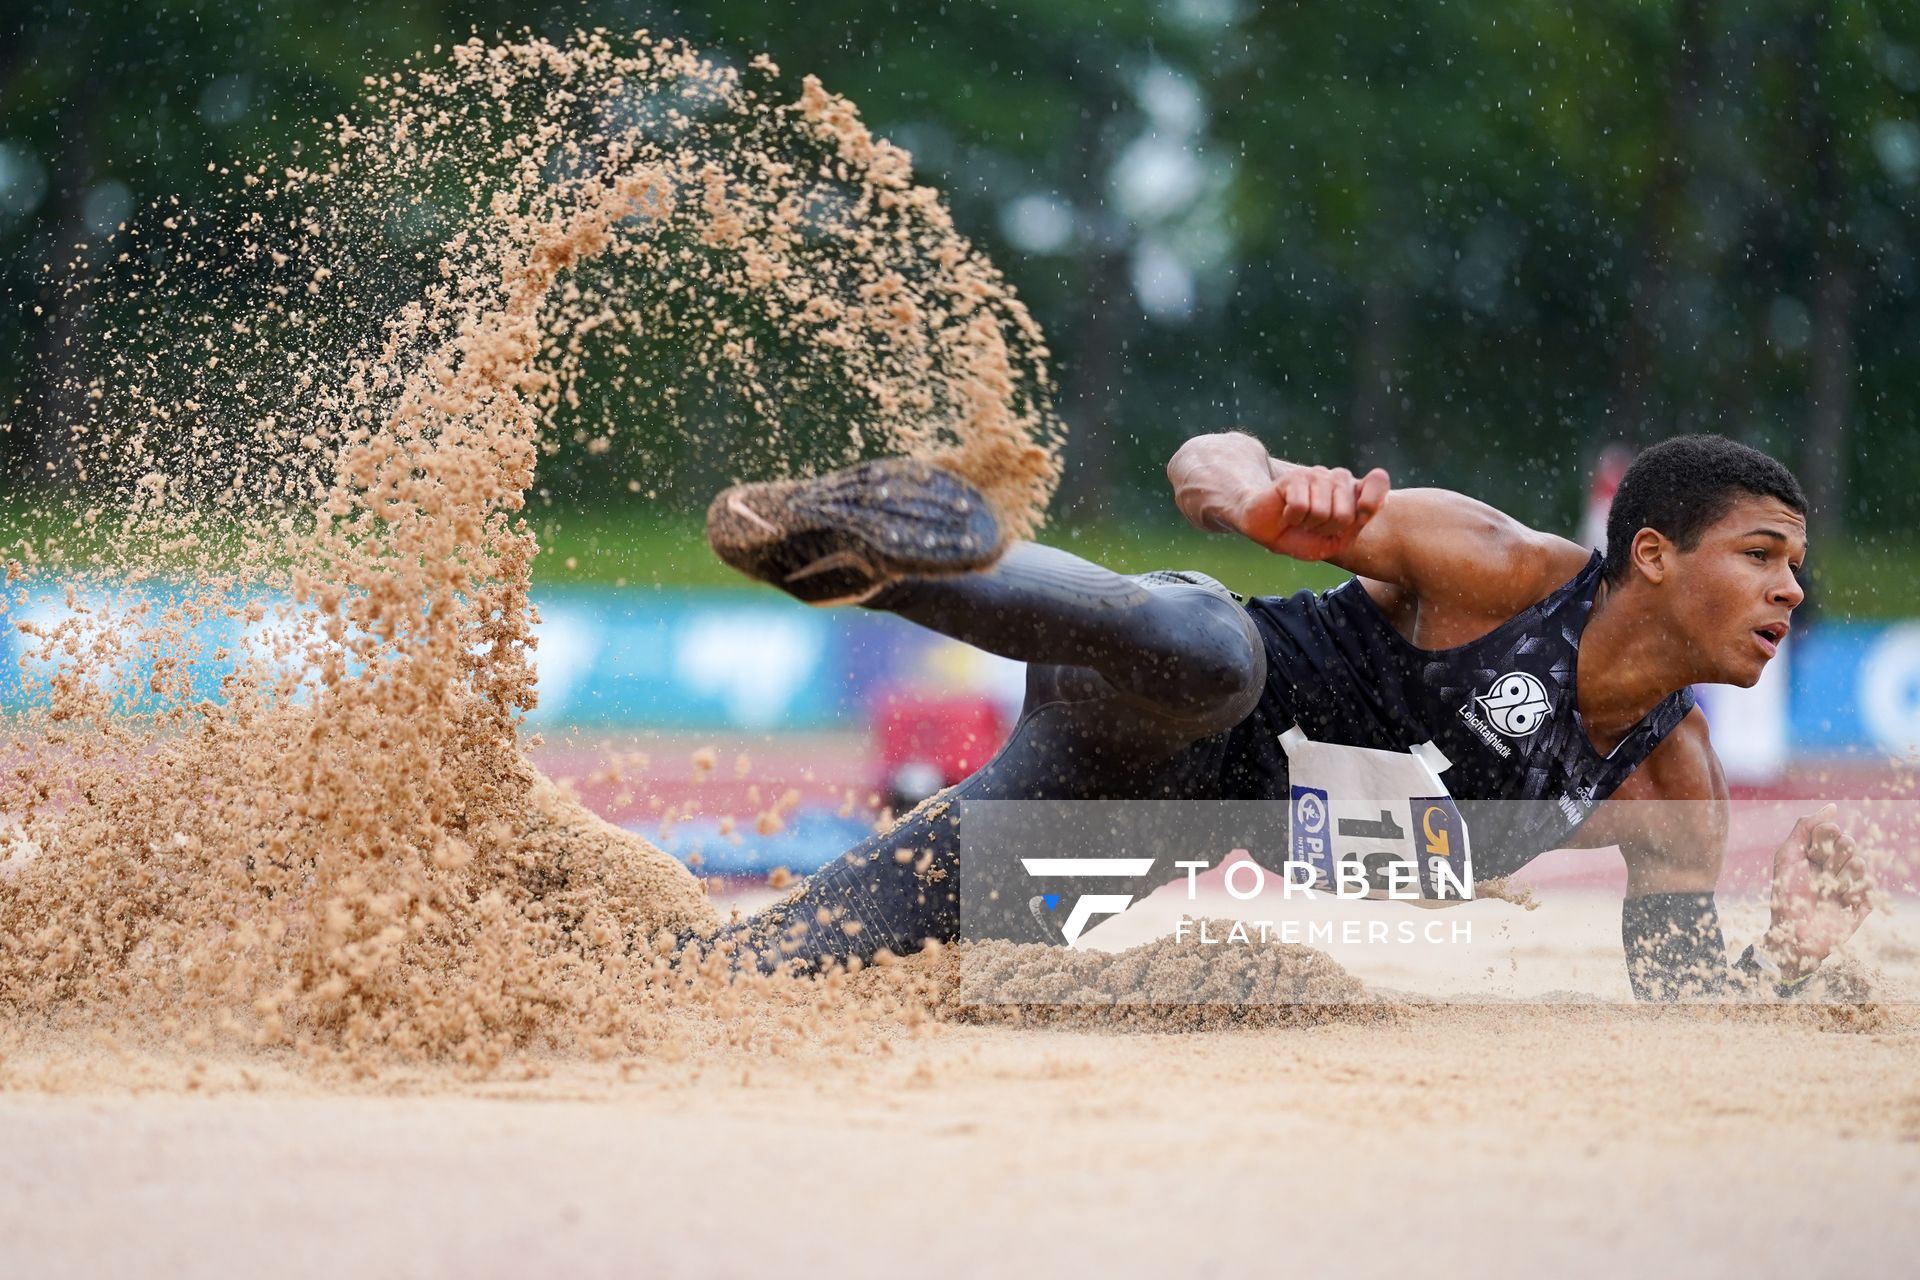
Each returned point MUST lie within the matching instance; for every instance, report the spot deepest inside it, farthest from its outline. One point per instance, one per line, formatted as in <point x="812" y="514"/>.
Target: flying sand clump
<point x="263" y="773"/>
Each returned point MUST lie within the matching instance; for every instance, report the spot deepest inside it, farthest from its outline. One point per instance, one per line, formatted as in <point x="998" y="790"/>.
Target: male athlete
<point x="1166" y="686"/>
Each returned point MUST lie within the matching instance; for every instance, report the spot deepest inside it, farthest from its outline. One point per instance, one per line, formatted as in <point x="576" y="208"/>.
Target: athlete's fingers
<point x="1328" y="500"/>
<point x="1372" y="495"/>
<point x="1801" y="836"/>
<point x="1860" y="882"/>
<point x="1820" y="844"/>
<point x="1295" y="500"/>
<point x="1848" y="866"/>
<point x="1826" y="856"/>
<point x="1848" y="861"/>
<point x="1823" y="836"/>
<point x="1848" y="884"/>
<point x="1343" y="499"/>
<point x="1282" y="492"/>
<point x="1322" y="500"/>
<point x="1300" y="499"/>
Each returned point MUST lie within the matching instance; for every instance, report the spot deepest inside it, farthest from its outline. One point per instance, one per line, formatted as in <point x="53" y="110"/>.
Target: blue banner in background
<point x="732" y="661"/>
<point x="735" y="660"/>
<point x="754" y="661"/>
<point x="90" y="623"/>
<point x="641" y="658"/>
<point x="1856" y="688"/>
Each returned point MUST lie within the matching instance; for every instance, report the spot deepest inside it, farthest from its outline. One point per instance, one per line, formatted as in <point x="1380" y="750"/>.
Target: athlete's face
<point x="1735" y="592"/>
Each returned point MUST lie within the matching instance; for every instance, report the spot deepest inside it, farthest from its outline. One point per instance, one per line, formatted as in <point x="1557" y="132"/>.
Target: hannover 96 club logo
<point x="1516" y="705"/>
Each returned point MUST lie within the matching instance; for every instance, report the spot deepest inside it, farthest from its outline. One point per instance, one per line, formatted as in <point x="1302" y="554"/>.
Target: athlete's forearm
<point x="1230" y="484"/>
<point x="1674" y="850"/>
<point x="1439" y="544"/>
<point x="1215" y="476"/>
<point x="1674" y="947"/>
<point x="1459" y="553"/>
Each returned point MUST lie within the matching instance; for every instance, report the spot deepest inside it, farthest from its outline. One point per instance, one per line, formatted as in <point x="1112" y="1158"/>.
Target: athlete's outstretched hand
<point x="1821" y="893"/>
<point x="1311" y="513"/>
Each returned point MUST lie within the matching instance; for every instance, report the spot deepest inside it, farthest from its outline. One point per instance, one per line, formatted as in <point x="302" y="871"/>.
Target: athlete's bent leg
<point x="1132" y="682"/>
<point x="915" y="539"/>
<point x="1175" y="642"/>
<point x="1078" y="738"/>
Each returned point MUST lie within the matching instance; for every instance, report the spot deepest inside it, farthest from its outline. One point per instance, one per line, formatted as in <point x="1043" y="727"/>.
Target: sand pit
<point x="881" y="1124"/>
<point x="1508" y="1141"/>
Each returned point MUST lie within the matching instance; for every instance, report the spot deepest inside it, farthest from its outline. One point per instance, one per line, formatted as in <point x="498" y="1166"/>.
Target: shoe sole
<point x="841" y="537"/>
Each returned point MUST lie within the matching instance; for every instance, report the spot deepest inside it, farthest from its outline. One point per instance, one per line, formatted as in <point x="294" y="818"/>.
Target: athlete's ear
<point x="1652" y="555"/>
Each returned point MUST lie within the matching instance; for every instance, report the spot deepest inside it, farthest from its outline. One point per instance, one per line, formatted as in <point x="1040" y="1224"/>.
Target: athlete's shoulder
<point x="1683" y="767"/>
<point x="1467" y="568"/>
<point x="1531" y="565"/>
<point x="1671" y="816"/>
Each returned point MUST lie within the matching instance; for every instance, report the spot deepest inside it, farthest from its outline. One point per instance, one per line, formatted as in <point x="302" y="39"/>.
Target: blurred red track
<point x="638" y="780"/>
<point x="1880" y="799"/>
<point x="614" y="783"/>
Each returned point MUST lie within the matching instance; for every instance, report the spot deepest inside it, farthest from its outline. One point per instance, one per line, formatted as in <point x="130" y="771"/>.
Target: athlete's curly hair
<point x="1679" y="487"/>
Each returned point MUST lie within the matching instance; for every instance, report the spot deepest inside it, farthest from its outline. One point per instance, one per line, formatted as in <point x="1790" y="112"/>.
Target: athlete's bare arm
<point x="1670" y="819"/>
<point x="1447" y="568"/>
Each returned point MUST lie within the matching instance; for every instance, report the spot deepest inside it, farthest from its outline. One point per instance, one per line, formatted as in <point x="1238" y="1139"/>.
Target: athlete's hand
<point x="1821" y="893"/>
<point x="1311" y="513"/>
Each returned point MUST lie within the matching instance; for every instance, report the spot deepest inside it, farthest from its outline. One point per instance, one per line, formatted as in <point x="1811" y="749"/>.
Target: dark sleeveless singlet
<point x="1502" y="708"/>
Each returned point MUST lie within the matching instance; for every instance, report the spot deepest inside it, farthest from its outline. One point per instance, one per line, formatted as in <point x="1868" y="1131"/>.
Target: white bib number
<point x="1383" y="816"/>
